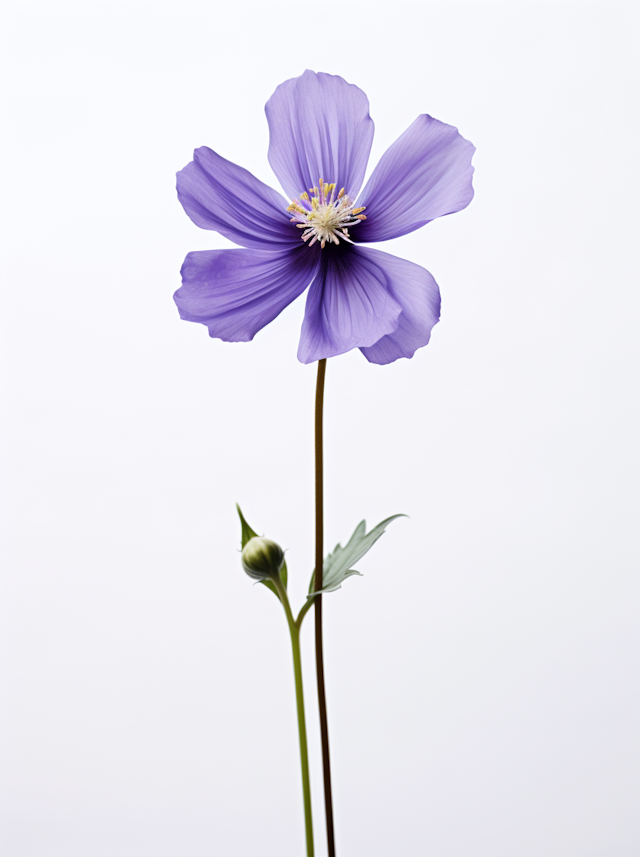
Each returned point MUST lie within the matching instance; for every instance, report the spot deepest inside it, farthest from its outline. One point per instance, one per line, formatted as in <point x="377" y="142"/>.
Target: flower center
<point x="325" y="216"/>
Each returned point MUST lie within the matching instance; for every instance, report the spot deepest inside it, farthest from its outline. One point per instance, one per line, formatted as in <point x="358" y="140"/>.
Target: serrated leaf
<point x="337" y="566"/>
<point x="248" y="533"/>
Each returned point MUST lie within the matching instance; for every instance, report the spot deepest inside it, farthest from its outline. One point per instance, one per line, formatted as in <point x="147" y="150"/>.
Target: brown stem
<point x="322" y="700"/>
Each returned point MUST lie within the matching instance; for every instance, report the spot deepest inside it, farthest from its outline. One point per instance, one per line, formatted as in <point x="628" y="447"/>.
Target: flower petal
<point x="417" y="293"/>
<point x="425" y="174"/>
<point x="237" y="292"/>
<point x="348" y="306"/>
<point x="218" y="194"/>
<point x="319" y="127"/>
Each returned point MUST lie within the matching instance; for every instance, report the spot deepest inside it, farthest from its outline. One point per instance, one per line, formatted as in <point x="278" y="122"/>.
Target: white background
<point x="482" y="675"/>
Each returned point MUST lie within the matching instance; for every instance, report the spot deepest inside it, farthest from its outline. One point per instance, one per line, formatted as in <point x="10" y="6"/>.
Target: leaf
<point x="248" y="533"/>
<point x="337" y="565"/>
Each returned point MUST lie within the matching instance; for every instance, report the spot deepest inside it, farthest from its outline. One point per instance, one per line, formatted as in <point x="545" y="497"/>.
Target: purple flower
<point x="320" y="139"/>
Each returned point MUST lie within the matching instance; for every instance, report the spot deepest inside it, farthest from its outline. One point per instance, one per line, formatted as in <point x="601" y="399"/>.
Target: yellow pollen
<point x="323" y="216"/>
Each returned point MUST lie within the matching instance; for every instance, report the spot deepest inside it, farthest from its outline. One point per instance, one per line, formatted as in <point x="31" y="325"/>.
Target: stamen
<point x="325" y="217"/>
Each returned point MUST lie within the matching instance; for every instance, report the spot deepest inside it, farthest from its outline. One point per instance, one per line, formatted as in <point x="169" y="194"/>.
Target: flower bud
<point x="262" y="558"/>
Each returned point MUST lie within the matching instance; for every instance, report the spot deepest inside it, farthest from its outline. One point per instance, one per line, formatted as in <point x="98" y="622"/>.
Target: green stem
<point x="303" y="611"/>
<point x="294" y="630"/>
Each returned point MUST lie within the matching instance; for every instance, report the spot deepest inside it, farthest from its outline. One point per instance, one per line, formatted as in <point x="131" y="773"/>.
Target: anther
<point x="323" y="217"/>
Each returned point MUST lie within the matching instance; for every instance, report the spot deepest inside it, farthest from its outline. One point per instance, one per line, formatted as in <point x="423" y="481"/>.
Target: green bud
<point x="262" y="558"/>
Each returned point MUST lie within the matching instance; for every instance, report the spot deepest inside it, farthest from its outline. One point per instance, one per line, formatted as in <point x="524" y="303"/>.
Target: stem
<point x="294" y="630"/>
<point x="322" y="700"/>
<point x="303" y="611"/>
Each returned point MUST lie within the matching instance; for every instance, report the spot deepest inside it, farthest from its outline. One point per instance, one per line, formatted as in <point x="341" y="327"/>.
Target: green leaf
<point x="248" y="533"/>
<point x="337" y="565"/>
